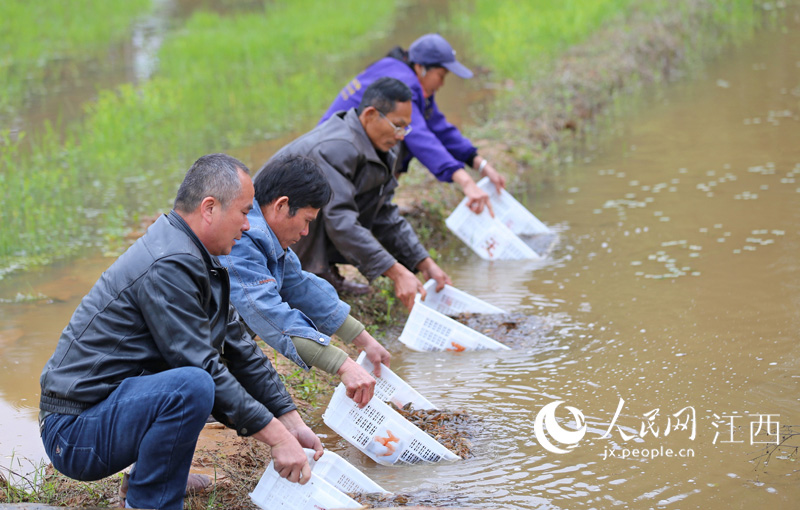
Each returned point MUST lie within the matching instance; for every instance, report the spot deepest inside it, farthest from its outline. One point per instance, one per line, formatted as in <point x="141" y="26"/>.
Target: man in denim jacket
<point x="292" y="310"/>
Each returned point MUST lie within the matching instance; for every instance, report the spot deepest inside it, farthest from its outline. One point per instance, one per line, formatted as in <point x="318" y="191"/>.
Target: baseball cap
<point x="433" y="49"/>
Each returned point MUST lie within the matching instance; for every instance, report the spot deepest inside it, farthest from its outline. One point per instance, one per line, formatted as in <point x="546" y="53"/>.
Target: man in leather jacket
<point x="360" y="225"/>
<point x="155" y="347"/>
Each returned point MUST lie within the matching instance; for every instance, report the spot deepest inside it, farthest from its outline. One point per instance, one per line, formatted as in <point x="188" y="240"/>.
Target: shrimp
<point x="386" y="441"/>
<point x="457" y="347"/>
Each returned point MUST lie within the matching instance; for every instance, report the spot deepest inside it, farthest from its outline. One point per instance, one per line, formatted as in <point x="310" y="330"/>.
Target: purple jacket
<point x="436" y="143"/>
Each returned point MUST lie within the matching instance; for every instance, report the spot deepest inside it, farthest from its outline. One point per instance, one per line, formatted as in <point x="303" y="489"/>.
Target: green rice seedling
<point x="571" y="61"/>
<point x="515" y="39"/>
<point x="226" y="81"/>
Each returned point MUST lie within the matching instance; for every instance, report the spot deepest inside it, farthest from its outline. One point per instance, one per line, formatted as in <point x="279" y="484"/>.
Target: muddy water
<point x="34" y="309"/>
<point x="674" y="293"/>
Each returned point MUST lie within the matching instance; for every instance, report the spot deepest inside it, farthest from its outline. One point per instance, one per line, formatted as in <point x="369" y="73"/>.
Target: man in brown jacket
<point x="360" y="225"/>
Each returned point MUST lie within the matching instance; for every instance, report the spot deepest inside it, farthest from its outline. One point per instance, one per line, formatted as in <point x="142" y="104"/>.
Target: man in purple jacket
<point x="433" y="140"/>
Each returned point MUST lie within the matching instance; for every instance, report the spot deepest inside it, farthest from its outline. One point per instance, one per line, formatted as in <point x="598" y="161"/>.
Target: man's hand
<point x="359" y="384"/>
<point x="289" y="458"/>
<point x="300" y="431"/>
<point x="406" y="284"/>
<point x="376" y="353"/>
<point x="430" y="270"/>
<point x="288" y="462"/>
<point x="477" y="199"/>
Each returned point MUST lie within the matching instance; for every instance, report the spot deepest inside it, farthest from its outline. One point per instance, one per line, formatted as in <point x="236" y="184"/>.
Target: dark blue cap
<point x="433" y="49"/>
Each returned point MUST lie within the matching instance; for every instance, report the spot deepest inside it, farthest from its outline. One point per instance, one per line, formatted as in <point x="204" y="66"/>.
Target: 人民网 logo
<point x="547" y="418"/>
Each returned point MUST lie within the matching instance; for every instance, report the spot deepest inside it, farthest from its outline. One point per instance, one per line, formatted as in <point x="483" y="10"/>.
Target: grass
<point x="520" y="40"/>
<point x="125" y="159"/>
<point x="25" y="482"/>
<point x="226" y="81"/>
<point x="510" y="36"/>
<point x="223" y="82"/>
<point x="306" y="385"/>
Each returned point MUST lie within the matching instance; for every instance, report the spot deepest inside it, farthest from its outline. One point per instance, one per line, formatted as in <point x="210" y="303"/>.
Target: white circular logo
<point x="547" y="416"/>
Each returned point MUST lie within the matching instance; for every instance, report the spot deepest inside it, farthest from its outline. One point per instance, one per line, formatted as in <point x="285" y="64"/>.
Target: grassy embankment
<point x="561" y="90"/>
<point x="223" y="82"/>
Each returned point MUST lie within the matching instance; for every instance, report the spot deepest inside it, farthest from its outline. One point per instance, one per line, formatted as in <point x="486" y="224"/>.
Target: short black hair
<point x="383" y="94"/>
<point x="296" y="177"/>
<point x="212" y="175"/>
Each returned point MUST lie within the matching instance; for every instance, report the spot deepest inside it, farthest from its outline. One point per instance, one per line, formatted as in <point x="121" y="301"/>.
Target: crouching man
<point x="155" y="347"/>
<point x="357" y="152"/>
<point x="292" y="310"/>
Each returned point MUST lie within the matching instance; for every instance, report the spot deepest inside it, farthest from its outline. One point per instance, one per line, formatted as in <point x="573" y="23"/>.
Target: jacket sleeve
<point x="170" y="300"/>
<point x="395" y="233"/>
<point x="314" y="296"/>
<point x="253" y="370"/>
<point x="449" y="135"/>
<point x="339" y="161"/>
<point x="432" y="140"/>
<point x="255" y="294"/>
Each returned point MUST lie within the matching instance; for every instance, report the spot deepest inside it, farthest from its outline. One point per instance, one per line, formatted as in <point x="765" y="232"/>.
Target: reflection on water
<point x="61" y="99"/>
<point x="146" y="40"/>
<point x="35" y="308"/>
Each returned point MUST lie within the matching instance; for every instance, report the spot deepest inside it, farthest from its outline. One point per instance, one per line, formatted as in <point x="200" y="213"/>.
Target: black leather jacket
<point x="163" y="304"/>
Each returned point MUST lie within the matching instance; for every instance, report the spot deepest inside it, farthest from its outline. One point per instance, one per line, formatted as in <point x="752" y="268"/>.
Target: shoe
<point x="341" y="285"/>
<point x="195" y="483"/>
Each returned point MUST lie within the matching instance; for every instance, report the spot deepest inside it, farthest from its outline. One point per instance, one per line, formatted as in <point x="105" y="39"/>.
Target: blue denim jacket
<point x="274" y="296"/>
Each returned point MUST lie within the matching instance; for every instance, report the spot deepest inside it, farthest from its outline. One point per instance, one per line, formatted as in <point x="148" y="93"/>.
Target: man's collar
<point x="178" y="222"/>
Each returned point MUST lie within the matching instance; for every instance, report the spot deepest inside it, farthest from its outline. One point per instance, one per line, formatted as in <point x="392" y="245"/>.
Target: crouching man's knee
<point x="195" y="391"/>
